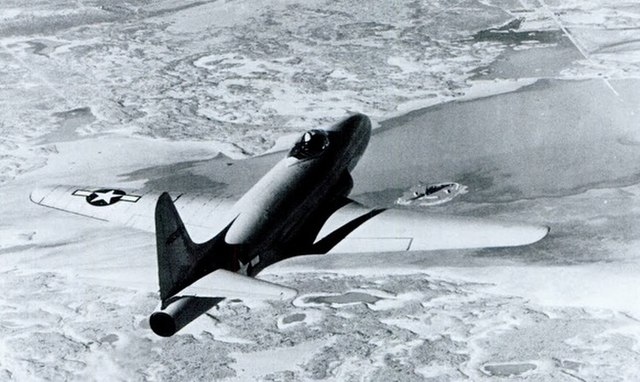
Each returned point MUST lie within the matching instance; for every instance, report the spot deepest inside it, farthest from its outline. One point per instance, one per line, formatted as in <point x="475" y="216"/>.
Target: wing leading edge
<point x="396" y="230"/>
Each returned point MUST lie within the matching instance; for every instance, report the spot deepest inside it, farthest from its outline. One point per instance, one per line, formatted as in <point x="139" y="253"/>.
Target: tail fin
<point x="177" y="253"/>
<point x="181" y="261"/>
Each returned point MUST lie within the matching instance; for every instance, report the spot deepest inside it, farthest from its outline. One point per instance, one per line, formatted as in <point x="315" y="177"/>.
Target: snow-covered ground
<point x="93" y="90"/>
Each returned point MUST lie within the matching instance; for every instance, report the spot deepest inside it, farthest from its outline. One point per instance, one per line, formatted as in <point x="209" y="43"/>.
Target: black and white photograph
<point x="320" y="190"/>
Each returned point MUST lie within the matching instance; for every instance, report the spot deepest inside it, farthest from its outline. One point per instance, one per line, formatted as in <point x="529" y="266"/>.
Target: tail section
<point x="180" y="260"/>
<point x="185" y="293"/>
<point x="176" y="251"/>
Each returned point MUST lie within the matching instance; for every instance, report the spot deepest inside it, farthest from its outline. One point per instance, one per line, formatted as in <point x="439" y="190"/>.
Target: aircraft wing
<point x="356" y="228"/>
<point x="203" y="215"/>
<point x="353" y="228"/>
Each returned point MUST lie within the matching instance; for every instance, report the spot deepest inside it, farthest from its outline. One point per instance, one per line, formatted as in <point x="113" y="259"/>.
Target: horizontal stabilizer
<point x="222" y="283"/>
<point x="193" y="301"/>
<point x="218" y="284"/>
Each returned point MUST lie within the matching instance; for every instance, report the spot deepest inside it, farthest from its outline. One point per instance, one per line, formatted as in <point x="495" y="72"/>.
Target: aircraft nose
<point x="355" y="125"/>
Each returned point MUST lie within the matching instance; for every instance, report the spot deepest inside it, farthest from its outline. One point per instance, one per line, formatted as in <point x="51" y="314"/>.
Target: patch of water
<point x="553" y="138"/>
<point x="508" y="369"/>
<point x="68" y="122"/>
<point x="297" y="317"/>
<point x="345" y="298"/>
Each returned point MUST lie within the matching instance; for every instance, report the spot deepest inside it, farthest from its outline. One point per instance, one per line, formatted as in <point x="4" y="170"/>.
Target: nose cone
<point x="355" y="128"/>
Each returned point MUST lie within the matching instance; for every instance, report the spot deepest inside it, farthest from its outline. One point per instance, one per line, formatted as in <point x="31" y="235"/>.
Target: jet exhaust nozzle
<point x="178" y="312"/>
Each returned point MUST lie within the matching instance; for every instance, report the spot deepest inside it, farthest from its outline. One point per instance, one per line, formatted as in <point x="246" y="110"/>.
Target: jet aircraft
<point x="299" y="207"/>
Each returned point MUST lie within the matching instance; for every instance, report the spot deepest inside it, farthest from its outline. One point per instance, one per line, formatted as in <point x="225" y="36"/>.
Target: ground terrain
<point x="538" y="121"/>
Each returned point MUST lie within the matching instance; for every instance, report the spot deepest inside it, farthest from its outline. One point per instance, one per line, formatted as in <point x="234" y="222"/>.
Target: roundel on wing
<point x="105" y="197"/>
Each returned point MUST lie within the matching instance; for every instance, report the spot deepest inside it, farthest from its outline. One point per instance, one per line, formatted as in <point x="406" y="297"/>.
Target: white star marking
<point x="105" y="196"/>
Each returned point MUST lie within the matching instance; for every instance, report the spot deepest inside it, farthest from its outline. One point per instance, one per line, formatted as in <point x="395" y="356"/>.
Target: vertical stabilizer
<point x="179" y="258"/>
<point x="175" y="248"/>
<point x="181" y="261"/>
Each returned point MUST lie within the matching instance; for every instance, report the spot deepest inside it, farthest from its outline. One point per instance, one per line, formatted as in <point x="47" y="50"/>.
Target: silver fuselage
<point x="293" y="192"/>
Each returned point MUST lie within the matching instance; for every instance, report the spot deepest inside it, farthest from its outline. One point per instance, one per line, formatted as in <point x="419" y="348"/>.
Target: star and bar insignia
<point x="106" y="196"/>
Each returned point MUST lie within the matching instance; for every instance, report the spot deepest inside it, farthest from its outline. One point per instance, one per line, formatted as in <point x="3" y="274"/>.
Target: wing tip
<point x="38" y="194"/>
<point x="544" y="231"/>
<point x="527" y="234"/>
<point x="288" y="293"/>
<point x="537" y="233"/>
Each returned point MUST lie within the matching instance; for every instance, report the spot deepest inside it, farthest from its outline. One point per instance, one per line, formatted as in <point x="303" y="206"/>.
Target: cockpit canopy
<point x="311" y="144"/>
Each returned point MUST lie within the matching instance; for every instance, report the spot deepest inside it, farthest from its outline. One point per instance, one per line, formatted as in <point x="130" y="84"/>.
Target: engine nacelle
<point x="178" y="312"/>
